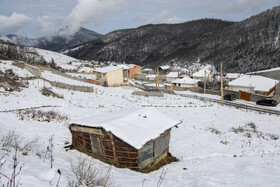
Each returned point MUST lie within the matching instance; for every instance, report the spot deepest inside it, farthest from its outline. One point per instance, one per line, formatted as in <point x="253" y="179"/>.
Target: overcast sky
<point x="35" y="18"/>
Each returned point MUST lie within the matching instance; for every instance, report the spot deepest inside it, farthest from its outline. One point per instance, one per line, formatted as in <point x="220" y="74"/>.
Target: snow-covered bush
<point x="11" y="140"/>
<point x="251" y="129"/>
<point x="41" y="116"/>
<point x="88" y="174"/>
<point x="48" y="92"/>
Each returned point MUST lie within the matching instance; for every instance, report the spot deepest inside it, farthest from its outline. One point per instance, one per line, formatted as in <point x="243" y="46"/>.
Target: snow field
<point x="209" y="152"/>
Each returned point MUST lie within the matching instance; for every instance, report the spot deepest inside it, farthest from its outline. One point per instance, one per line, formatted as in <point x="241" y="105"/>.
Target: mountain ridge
<point x="147" y="42"/>
<point x="248" y="45"/>
<point x="57" y="41"/>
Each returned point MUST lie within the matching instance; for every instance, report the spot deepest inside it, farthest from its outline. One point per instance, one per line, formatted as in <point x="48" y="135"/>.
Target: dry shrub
<point x="88" y="174"/>
<point x="238" y="130"/>
<point x="250" y="128"/>
<point x="48" y="92"/>
<point x="11" y="140"/>
<point x="41" y="116"/>
<point x="11" y="82"/>
<point x="213" y="130"/>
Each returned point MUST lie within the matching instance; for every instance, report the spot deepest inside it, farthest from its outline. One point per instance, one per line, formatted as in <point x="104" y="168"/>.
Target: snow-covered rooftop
<point x="233" y="75"/>
<point x="207" y="69"/>
<point x="134" y="126"/>
<point x="185" y="80"/>
<point x="166" y="67"/>
<point x="85" y="69"/>
<point x="267" y="70"/>
<point x="172" y="75"/>
<point x="259" y="83"/>
<point x="124" y="66"/>
<point x="107" y="69"/>
<point x="151" y="76"/>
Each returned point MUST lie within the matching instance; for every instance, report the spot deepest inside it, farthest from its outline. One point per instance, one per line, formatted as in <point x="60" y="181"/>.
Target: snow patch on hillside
<point x="61" y="60"/>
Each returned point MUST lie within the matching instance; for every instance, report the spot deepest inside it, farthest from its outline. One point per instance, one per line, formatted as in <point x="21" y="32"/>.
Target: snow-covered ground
<point x="210" y="149"/>
<point x="83" y="75"/>
<point x="54" y="77"/>
<point x="7" y="64"/>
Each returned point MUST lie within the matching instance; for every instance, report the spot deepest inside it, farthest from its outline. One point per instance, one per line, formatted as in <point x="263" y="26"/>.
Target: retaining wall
<point x="148" y="94"/>
<point x="19" y="64"/>
<point x="72" y="87"/>
<point x="34" y="70"/>
<point x="69" y="76"/>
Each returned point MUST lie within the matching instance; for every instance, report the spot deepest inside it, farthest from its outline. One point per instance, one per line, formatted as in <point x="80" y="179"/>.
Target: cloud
<point x="242" y="5"/>
<point x="165" y="16"/>
<point x="13" y="23"/>
<point x="91" y="11"/>
<point x="46" y="25"/>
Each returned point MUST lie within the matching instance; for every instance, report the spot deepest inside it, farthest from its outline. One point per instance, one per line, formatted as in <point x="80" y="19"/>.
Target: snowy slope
<point x="61" y="60"/>
<point x="7" y="64"/>
<point x="210" y="150"/>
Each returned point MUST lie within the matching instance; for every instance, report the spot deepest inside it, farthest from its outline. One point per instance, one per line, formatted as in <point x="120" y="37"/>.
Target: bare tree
<point x="12" y="182"/>
<point x="49" y="152"/>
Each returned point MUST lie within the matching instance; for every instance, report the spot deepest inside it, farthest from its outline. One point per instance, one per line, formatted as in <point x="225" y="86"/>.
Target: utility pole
<point x="275" y="89"/>
<point x="222" y="89"/>
<point x="157" y="79"/>
<point x="204" y="82"/>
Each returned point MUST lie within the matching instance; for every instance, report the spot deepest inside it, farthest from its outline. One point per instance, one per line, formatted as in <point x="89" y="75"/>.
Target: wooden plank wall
<point x="112" y="149"/>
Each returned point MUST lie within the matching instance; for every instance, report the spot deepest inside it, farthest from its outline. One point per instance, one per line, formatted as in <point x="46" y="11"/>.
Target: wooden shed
<point x="134" y="139"/>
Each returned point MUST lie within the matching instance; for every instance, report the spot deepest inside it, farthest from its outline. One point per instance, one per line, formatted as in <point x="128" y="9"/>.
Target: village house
<point x="86" y="70"/>
<point x="182" y="84"/>
<point x="253" y="84"/>
<point x="232" y="76"/>
<point x="130" y="70"/>
<point x="110" y="75"/>
<point x="133" y="70"/>
<point x="164" y="69"/>
<point x="172" y="76"/>
<point x="186" y="82"/>
<point x="151" y="77"/>
<point x="147" y="71"/>
<point x="135" y="138"/>
<point x="207" y="72"/>
<point x="273" y="73"/>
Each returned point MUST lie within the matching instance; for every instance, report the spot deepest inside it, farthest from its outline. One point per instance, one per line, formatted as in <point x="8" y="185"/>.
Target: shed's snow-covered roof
<point x="172" y="75"/>
<point x="185" y="80"/>
<point x="135" y="126"/>
<point x="107" y="69"/>
<point x="259" y="83"/>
